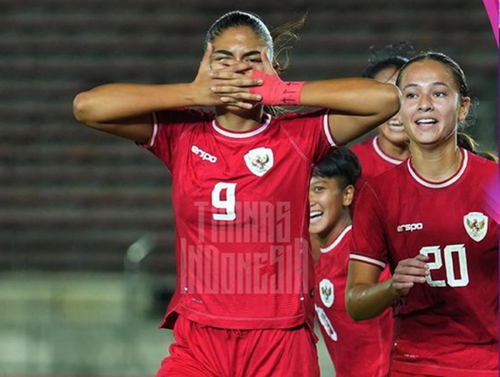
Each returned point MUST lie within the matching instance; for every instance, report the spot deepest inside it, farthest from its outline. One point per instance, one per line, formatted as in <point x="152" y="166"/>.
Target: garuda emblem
<point x="476" y="225"/>
<point x="259" y="160"/>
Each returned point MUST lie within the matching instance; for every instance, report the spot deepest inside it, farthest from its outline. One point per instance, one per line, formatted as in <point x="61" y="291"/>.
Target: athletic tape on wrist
<point x="276" y="92"/>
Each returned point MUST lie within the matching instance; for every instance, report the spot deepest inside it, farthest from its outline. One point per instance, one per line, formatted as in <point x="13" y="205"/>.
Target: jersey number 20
<point x="449" y="265"/>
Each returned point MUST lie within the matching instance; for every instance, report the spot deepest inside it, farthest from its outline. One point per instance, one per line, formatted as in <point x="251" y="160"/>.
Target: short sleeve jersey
<point x="241" y="214"/>
<point x="356" y="348"/>
<point x="373" y="162"/>
<point x="447" y="326"/>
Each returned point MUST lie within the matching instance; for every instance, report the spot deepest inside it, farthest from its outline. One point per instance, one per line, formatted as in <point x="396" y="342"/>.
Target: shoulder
<point x="363" y="146"/>
<point x="481" y="168"/>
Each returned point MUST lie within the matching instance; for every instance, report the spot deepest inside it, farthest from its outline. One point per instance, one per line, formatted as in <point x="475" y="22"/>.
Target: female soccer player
<point x="356" y="349"/>
<point x="242" y="306"/>
<point x="390" y="147"/>
<point x="426" y="219"/>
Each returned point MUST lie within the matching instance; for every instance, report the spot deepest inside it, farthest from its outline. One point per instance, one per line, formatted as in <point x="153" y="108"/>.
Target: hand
<point x="232" y="82"/>
<point x="408" y="272"/>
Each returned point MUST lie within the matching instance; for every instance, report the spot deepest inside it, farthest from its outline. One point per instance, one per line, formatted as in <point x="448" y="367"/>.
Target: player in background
<point x="240" y="176"/>
<point x="356" y="348"/>
<point x="426" y="219"/>
<point x="390" y="146"/>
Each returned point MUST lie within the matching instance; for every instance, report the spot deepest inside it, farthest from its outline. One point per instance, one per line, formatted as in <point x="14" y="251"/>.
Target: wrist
<point x="276" y="92"/>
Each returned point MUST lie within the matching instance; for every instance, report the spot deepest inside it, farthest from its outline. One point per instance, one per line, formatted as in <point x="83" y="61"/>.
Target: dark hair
<point x="241" y="19"/>
<point x="392" y="55"/>
<point x="488" y="155"/>
<point x="342" y="164"/>
<point x="467" y="142"/>
<point x="453" y="67"/>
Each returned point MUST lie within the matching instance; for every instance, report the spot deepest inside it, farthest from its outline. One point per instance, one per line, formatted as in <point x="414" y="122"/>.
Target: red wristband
<point x="276" y="92"/>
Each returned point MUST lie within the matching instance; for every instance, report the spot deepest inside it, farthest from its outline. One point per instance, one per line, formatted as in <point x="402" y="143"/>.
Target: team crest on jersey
<point x="326" y="292"/>
<point x="476" y="225"/>
<point x="259" y="160"/>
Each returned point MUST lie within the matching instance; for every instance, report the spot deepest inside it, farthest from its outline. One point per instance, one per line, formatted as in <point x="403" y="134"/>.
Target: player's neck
<point x="397" y="151"/>
<point x="240" y="121"/>
<point x="336" y="231"/>
<point x="436" y="164"/>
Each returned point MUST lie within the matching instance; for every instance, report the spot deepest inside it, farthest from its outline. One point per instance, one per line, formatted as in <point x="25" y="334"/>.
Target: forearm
<point x="112" y="102"/>
<point x="365" y="302"/>
<point x="353" y="96"/>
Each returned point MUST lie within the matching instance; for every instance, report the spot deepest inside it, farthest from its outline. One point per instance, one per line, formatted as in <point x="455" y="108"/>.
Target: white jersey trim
<point x="381" y="153"/>
<point x="446" y="183"/>
<point x="242" y="135"/>
<point x="326" y="129"/>
<point x="337" y="240"/>
<point x="152" y="139"/>
<point x="362" y="258"/>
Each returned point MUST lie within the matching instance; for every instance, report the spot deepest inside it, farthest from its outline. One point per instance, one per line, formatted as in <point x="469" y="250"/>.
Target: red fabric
<point x="276" y="92"/>
<point x="202" y="351"/>
<point x="356" y="348"/>
<point x="449" y="323"/>
<point x="373" y="162"/>
<point x="241" y="217"/>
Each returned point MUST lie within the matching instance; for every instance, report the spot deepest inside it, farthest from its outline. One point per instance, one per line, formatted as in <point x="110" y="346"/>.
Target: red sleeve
<point x="168" y="128"/>
<point x="368" y="242"/>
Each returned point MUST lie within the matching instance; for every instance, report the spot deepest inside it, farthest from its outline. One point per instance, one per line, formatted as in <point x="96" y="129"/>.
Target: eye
<point x="440" y="94"/>
<point x="410" y="95"/>
<point x="318" y="188"/>
<point x="253" y="60"/>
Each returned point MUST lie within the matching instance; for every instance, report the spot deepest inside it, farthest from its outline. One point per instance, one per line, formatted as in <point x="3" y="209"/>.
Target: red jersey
<point x="373" y="162"/>
<point x="449" y="325"/>
<point x="241" y="212"/>
<point x="356" y="348"/>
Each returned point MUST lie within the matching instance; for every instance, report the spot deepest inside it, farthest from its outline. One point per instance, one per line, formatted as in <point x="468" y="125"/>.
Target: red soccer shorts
<point x="203" y="351"/>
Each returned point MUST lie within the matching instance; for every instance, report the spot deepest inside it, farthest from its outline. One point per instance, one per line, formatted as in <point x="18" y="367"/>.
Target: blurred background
<point x="86" y="230"/>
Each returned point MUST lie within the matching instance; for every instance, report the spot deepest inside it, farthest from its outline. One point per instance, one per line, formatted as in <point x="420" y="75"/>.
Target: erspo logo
<point x="204" y="155"/>
<point x="410" y="227"/>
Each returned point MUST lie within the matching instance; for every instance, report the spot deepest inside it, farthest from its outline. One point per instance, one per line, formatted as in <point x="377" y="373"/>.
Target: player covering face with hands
<point x="242" y="305"/>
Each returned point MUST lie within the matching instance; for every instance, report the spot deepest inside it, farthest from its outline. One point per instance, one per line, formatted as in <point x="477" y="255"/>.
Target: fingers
<point x="205" y="60"/>
<point x="236" y="93"/>
<point x="268" y="66"/>
<point x="410" y="272"/>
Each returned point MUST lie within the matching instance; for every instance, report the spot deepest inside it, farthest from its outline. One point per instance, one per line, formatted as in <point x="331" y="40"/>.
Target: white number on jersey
<point x="449" y="265"/>
<point x="229" y="204"/>
<point x="325" y="322"/>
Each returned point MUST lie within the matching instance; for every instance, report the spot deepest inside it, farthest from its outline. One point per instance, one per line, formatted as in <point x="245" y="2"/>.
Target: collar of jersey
<point x="241" y="135"/>
<point x="383" y="155"/>
<point x="334" y="244"/>
<point x="447" y="182"/>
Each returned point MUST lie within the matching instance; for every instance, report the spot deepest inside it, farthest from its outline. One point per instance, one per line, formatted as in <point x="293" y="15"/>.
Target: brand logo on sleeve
<point x="476" y="225"/>
<point x="410" y="227"/>
<point x="205" y="156"/>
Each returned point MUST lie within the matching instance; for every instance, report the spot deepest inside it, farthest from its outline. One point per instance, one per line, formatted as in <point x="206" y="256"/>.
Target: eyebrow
<point x="229" y="53"/>
<point x="437" y="83"/>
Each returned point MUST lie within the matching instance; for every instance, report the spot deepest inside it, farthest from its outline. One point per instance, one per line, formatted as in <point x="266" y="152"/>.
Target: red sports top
<point x="449" y="325"/>
<point x="373" y="162"/>
<point x="356" y="348"/>
<point x="241" y="216"/>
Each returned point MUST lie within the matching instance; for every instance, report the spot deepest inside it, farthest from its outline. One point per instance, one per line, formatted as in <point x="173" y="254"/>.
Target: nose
<point x="425" y="103"/>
